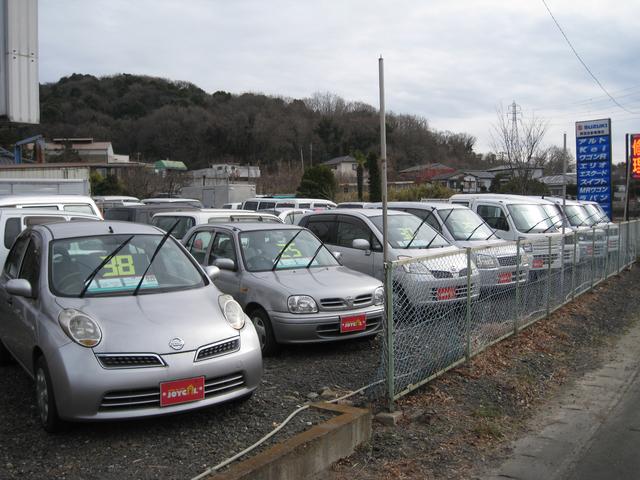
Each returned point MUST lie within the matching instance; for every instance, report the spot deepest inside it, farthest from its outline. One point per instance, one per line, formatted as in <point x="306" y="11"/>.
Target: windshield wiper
<point x="415" y="233"/>
<point x="474" y="231"/>
<point x="277" y="259"/>
<point x="106" y="260"/>
<point x="543" y="220"/>
<point x="315" y="254"/>
<point x="153" y="257"/>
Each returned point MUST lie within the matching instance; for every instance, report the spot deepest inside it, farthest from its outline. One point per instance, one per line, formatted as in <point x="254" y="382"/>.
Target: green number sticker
<point x="119" y="266"/>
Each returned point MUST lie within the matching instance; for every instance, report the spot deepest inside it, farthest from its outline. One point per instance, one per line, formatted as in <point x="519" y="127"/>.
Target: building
<point x="344" y="168"/>
<point x="426" y="172"/>
<point x="468" y="181"/>
<point x="163" y="166"/>
<point x="508" y="172"/>
<point x="224" y="173"/>
<point x="79" y="149"/>
<point x="554" y="183"/>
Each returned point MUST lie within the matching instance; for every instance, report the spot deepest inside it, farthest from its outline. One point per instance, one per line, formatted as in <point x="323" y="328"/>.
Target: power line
<point x="582" y="61"/>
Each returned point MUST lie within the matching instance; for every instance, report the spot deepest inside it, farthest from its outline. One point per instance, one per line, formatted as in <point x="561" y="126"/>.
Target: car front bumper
<point x="507" y="276"/>
<point x="85" y="391"/>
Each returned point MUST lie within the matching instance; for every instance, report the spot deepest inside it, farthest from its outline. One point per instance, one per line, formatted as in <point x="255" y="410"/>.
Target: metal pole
<point x="619" y="249"/>
<point x="575" y="266"/>
<point x="549" y="281"/>
<point x="606" y="256"/>
<point x="626" y="188"/>
<point x="593" y="254"/>
<point x="517" y="309"/>
<point x="564" y="182"/>
<point x="468" y="315"/>
<point x="391" y="387"/>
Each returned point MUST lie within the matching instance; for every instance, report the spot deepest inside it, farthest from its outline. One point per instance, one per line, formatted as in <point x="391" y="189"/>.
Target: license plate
<point x="504" y="277"/>
<point x="353" y="323"/>
<point x="446" y="293"/>
<point x="538" y="263"/>
<point x="181" y="391"/>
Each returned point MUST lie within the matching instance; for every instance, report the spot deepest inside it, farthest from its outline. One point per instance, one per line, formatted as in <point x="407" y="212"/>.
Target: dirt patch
<point x="466" y="418"/>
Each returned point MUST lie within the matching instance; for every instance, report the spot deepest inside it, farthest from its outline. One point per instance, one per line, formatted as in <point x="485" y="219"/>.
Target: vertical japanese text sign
<point x="593" y="165"/>
<point x="635" y="156"/>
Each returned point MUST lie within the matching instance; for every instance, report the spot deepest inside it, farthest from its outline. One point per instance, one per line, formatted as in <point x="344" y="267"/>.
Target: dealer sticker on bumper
<point x="353" y="323"/>
<point x="181" y="391"/>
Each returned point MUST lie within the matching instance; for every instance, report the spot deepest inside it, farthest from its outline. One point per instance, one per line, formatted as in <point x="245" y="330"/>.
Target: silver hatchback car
<point x="291" y="286"/>
<point x="115" y="320"/>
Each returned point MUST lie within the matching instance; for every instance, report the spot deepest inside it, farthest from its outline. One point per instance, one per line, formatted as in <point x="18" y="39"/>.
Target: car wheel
<point x="47" y="410"/>
<point x="262" y="324"/>
<point x="5" y="356"/>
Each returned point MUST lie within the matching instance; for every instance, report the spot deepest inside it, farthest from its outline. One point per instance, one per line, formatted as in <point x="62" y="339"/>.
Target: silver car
<point x="291" y="286"/>
<point x="116" y="320"/>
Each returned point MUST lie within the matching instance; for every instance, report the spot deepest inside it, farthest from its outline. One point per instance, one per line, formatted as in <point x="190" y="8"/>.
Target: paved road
<point x="613" y="452"/>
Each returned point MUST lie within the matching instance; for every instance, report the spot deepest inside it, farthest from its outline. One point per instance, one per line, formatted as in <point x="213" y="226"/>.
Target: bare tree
<point x="518" y="140"/>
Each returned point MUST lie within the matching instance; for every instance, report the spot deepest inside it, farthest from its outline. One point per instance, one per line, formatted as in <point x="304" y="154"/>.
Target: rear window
<point x="113" y="214"/>
<point x="83" y="208"/>
<point x="266" y="205"/>
<point x="29" y="221"/>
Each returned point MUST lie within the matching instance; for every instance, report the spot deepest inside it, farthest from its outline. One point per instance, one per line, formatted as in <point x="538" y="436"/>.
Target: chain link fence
<point x="443" y="309"/>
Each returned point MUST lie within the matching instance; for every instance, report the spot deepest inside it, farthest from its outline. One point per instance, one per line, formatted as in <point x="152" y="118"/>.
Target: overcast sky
<point x="451" y="61"/>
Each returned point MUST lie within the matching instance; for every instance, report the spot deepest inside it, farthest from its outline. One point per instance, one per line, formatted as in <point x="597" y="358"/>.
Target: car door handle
<point x="10" y="300"/>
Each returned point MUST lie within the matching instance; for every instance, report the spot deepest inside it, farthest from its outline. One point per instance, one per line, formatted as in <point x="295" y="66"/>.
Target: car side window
<point x="322" y="229"/>
<point x="12" y="265"/>
<point x="198" y="245"/>
<point x="222" y="248"/>
<point x="348" y="231"/>
<point x="494" y="216"/>
<point x="30" y="269"/>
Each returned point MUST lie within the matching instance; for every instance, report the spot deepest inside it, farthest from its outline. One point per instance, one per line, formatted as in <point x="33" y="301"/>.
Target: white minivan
<point x="516" y="217"/>
<point x="267" y="203"/>
<point x="65" y="203"/>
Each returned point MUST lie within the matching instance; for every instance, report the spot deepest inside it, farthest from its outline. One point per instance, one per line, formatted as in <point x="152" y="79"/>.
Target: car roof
<point x="23" y="212"/>
<point x="248" y="226"/>
<point x="205" y="211"/>
<point x="90" y="228"/>
<point x="424" y="205"/>
<point x="357" y="212"/>
<point x="155" y="206"/>
<point x="16" y="199"/>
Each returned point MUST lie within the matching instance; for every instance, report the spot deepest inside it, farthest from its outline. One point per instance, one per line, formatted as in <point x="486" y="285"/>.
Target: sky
<point x="454" y="62"/>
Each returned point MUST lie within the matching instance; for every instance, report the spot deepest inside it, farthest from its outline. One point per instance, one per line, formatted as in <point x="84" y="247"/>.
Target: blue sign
<point x="593" y="162"/>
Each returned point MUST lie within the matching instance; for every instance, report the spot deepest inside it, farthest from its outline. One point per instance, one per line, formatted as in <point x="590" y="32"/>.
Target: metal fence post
<point x="388" y="283"/>
<point x="606" y="255"/>
<point x="549" y="281"/>
<point x="575" y="265"/>
<point x="619" y="249"/>
<point x="467" y="323"/>
<point x="593" y="254"/>
<point x="516" y="317"/>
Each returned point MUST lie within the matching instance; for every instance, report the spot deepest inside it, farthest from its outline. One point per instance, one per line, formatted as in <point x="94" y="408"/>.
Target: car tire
<point x="262" y="324"/>
<point x="5" y="356"/>
<point x="45" y="399"/>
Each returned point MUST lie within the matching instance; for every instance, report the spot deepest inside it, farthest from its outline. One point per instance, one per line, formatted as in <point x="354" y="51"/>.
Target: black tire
<point x="262" y="324"/>
<point x="45" y="399"/>
<point x="5" y="356"/>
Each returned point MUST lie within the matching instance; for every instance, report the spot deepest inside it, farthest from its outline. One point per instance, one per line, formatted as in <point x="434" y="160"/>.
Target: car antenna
<point x="110" y="229"/>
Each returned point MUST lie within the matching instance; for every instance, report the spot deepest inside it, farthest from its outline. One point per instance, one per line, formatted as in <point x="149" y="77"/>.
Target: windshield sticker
<point x="290" y="252"/>
<point x="407" y="233"/>
<point x="104" y="285"/>
<point x="293" y="262"/>
<point x="119" y="266"/>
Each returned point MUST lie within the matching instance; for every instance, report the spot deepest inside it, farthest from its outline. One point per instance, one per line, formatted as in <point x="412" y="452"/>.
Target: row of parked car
<point x="165" y="307"/>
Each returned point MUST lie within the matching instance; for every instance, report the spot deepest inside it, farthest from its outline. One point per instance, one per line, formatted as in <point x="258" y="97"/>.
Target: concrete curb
<point x="310" y="452"/>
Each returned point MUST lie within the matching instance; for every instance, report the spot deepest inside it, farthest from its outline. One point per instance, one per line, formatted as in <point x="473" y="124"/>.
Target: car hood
<point x="318" y="282"/>
<point x="426" y="252"/>
<point x="146" y="323"/>
<point x="480" y="243"/>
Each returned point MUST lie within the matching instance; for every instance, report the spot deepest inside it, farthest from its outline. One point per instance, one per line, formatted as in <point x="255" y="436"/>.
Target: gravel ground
<point x="176" y="446"/>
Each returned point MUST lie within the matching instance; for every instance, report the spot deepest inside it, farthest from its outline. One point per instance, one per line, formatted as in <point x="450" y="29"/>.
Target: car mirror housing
<point x="212" y="271"/>
<point x="19" y="287"/>
<point x="361" y="244"/>
<point x="225" y="264"/>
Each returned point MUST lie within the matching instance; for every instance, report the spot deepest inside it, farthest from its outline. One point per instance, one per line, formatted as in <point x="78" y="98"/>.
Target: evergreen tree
<point x="375" y="189"/>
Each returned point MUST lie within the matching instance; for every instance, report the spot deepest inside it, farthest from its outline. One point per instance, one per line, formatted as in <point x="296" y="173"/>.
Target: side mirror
<point x="361" y="244"/>
<point x="225" y="264"/>
<point x="19" y="287"/>
<point x="338" y="256"/>
<point x="212" y="271"/>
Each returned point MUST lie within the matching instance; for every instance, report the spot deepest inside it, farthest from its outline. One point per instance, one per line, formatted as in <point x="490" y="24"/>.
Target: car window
<point x="266" y="205"/>
<point x="530" y="218"/>
<point x="12" y="229"/>
<point x="408" y="231"/>
<point x="122" y="215"/>
<point x="30" y="269"/>
<point x="494" y="216"/>
<point x="422" y="213"/>
<point x="464" y="224"/>
<point x="41" y="207"/>
<point x="304" y="205"/>
<point x="322" y="229"/>
<point x="39" y="220"/>
<point x="14" y="258"/>
<point x="461" y="202"/>
<point x="83" y="208"/>
<point x="222" y="248"/>
<point x="198" y="245"/>
<point x="250" y="206"/>
<point x="166" y="222"/>
<point x="348" y="231"/>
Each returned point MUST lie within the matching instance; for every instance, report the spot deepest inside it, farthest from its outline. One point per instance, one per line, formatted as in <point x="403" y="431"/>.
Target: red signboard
<point x="635" y="156"/>
<point x="181" y="391"/>
<point x="353" y="323"/>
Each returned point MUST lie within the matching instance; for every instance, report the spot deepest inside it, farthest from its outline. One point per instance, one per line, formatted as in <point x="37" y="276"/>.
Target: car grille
<point x="460" y="292"/>
<point x="508" y="261"/>
<point x="133" y="360"/>
<point x="341" y="303"/>
<point x="333" y="329"/>
<point x="545" y="258"/>
<point x="150" y="397"/>
<point x="217" y="349"/>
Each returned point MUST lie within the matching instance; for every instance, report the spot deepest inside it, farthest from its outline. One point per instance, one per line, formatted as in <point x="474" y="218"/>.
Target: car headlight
<point x="232" y="311"/>
<point x="302" y="304"/>
<point x="527" y="247"/>
<point x="378" y="296"/>
<point x="417" y="268"/>
<point x="80" y="328"/>
<point x="486" y="261"/>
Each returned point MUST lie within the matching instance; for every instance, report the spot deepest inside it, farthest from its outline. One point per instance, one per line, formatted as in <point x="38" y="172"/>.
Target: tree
<point x="519" y="140"/>
<point x="555" y="161"/>
<point x="375" y="188"/>
<point x="109" y="185"/>
<point x="361" y="159"/>
<point x="532" y="187"/>
<point x="318" y="182"/>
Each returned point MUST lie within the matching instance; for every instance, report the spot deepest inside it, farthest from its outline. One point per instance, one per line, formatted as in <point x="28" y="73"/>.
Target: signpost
<point x="635" y="156"/>
<point x="593" y="162"/>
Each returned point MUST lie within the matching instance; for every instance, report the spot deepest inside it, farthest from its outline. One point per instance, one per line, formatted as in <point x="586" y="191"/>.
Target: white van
<point x="516" y="217"/>
<point x="65" y="203"/>
<point x="268" y="203"/>
<point x="599" y="217"/>
<point x="188" y="219"/>
<point x="15" y="220"/>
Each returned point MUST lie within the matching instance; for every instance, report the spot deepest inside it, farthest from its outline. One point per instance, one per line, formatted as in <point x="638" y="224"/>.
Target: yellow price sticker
<point x="119" y="266"/>
<point x="290" y="252"/>
<point x="406" y="232"/>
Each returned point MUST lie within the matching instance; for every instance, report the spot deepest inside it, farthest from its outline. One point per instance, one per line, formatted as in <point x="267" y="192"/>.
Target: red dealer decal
<point x="181" y="391"/>
<point x="353" y="323"/>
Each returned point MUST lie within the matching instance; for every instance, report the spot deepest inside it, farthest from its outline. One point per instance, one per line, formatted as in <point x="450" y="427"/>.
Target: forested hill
<point x="153" y="118"/>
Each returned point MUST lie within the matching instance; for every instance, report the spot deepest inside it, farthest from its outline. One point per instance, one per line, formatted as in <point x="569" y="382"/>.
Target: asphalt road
<point x="613" y="452"/>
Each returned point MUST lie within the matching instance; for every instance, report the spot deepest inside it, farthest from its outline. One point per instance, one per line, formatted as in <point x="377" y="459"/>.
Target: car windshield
<point x="261" y="249"/>
<point x="594" y="215"/>
<point x="464" y="224"/>
<point x="73" y="259"/>
<point x="402" y="232"/>
<point x="530" y="218"/>
<point x="179" y="231"/>
<point x="554" y="214"/>
<point x="577" y="215"/>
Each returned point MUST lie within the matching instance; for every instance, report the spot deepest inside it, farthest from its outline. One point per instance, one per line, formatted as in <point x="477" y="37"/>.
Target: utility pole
<point x="302" y="159"/>
<point x="310" y="154"/>
<point x="564" y="180"/>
